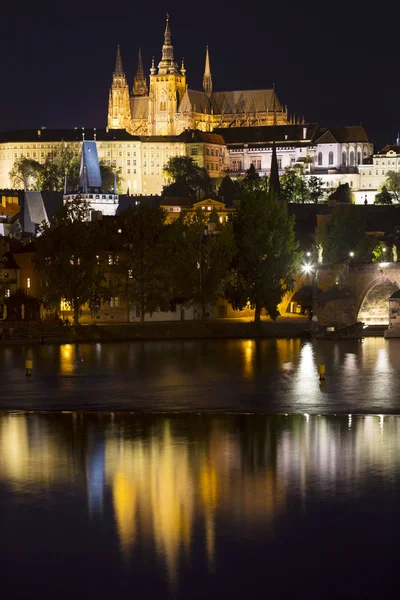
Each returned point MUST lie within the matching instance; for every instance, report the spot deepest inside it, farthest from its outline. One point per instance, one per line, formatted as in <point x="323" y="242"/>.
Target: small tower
<point x="119" y="111"/>
<point x="139" y="81"/>
<point x="207" y="79"/>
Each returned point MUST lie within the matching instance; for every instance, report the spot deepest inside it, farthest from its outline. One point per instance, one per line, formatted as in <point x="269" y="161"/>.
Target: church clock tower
<point x="119" y="111"/>
<point x="167" y="87"/>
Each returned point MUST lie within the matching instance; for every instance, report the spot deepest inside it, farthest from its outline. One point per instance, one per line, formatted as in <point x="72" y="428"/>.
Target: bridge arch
<point x="373" y="305"/>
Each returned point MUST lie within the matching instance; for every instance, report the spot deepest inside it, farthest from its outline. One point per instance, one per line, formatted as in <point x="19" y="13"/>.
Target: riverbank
<point x="221" y="329"/>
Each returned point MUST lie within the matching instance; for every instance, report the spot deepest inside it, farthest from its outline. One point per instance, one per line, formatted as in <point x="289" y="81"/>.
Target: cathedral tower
<point x="119" y="112"/>
<point x="207" y="80"/>
<point x="167" y="88"/>
<point x="139" y="81"/>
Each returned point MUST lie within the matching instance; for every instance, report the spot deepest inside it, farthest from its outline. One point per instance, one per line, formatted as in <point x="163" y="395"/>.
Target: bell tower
<point x="167" y="87"/>
<point x="119" y="110"/>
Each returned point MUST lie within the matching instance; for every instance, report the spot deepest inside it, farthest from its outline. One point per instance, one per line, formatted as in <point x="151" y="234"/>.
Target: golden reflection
<point x="170" y="477"/>
<point x="30" y="457"/>
<point x="124" y="499"/>
<point x="248" y="362"/>
<point x="67" y="356"/>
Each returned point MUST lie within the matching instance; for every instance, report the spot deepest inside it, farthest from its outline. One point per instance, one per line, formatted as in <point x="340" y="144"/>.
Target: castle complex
<point x="167" y="106"/>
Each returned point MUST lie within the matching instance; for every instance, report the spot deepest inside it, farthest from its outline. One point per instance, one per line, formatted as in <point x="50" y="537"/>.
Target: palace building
<point x="167" y="106"/>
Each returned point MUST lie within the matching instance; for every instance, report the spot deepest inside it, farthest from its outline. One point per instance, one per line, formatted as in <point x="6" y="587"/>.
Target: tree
<point x="146" y="259"/>
<point x="293" y="185"/>
<point x="266" y="260"/>
<point x="382" y="253"/>
<point x="383" y="197"/>
<point x="187" y="177"/>
<point x="27" y="172"/>
<point x="342" y="194"/>
<point x="343" y="232"/>
<point x="107" y="176"/>
<point x="252" y="181"/>
<point x="207" y="248"/>
<point x="315" y="188"/>
<point x="68" y="255"/>
<point x="228" y="191"/>
<point x="393" y="184"/>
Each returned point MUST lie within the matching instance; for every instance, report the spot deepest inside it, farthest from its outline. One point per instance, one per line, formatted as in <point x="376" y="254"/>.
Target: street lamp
<point x="351" y="254"/>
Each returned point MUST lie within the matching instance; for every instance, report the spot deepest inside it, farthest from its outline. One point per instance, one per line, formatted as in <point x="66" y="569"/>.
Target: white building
<point x="373" y="175"/>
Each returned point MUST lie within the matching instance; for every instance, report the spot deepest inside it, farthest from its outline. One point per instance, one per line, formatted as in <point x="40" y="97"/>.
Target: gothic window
<point x="344" y="158"/>
<point x="331" y="158"/>
<point x="319" y="159"/>
<point x="352" y="158"/>
<point x="163" y="105"/>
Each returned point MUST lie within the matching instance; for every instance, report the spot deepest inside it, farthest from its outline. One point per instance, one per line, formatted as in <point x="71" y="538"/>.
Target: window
<point x="279" y="163"/>
<point x="137" y="311"/>
<point x="330" y="159"/>
<point x="5" y="275"/>
<point x="97" y="259"/>
<point x="194" y="151"/>
<point x="110" y="259"/>
<point x="359" y="158"/>
<point x="130" y="274"/>
<point x="7" y="293"/>
<point x="114" y="302"/>
<point x="344" y="159"/>
<point x="319" y="159"/>
<point x="28" y="282"/>
<point x="352" y="158"/>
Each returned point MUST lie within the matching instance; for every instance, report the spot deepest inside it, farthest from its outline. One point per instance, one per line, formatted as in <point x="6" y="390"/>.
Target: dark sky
<point x="336" y="63"/>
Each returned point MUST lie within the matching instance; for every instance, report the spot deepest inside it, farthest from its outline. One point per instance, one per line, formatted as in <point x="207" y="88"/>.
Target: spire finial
<point x="183" y="70"/>
<point x="167" y="64"/>
<point x="207" y="79"/>
<point x="398" y="140"/>
<point x="118" y="63"/>
<point x="153" y="68"/>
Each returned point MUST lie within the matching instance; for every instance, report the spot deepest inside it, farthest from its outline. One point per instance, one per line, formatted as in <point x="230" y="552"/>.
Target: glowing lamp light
<point x="351" y="254"/>
<point x="383" y="250"/>
<point x="308" y="253"/>
<point x="307" y="268"/>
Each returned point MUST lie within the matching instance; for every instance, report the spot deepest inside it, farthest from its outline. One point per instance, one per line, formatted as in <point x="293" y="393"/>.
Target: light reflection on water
<point x="167" y="491"/>
<point x="261" y="376"/>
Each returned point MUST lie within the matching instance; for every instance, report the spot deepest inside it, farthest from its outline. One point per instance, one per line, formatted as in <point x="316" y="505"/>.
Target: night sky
<point x="336" y="63"/>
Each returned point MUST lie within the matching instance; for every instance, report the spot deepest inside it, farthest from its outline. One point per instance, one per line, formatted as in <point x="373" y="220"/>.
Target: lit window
<point x="7" y="293"/>
<point x="110" y="259"/>
<point x="130" y="274"/>
<point x="97" y="259"/>
<point x="28" y="282"/>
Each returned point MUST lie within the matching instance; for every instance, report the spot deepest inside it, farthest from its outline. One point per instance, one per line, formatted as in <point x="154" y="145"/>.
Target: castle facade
<point x="167" y="106"/>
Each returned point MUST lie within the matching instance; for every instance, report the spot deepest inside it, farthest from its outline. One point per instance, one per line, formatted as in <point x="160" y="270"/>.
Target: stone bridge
<point x="348" y="292"/>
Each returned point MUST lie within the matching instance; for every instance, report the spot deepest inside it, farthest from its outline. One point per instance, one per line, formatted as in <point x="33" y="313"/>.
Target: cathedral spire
<point x="118" y="64"/>
<point x="139" y="81"/>
<point x="167" y="64"/>
<point x="207" y="79"/>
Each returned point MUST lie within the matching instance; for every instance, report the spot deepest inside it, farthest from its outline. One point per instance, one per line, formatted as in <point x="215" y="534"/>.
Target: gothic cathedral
<point x="168" y="106"/>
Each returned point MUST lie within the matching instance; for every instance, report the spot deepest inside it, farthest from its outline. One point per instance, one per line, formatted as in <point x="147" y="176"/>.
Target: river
<point x="131" y="469"/>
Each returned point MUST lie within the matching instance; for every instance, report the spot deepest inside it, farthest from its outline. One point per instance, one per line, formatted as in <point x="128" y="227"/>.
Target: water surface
<point x="201" y="506"/>
<point x="263" y="376"/>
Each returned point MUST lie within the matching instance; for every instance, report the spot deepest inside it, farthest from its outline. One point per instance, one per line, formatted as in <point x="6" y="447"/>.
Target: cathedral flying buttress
<point x="167" y="106"/>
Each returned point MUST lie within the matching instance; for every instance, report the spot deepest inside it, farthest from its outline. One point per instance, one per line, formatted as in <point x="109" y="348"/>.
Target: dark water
<point x="201" y="506"/>
<point x="267" y="376"/>
<point x="201" y="502"/>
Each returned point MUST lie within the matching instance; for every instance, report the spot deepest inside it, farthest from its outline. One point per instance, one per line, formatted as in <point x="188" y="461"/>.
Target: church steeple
<point x="167" y="64"/>
<point x="118" y="64"/>
<point x="207" y="79"/>
<point x="119" y="112"/>
<point x="139" y="81"/>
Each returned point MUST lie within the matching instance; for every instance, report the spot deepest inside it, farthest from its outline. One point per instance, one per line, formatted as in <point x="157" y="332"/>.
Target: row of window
<point x="319" y="158"/>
